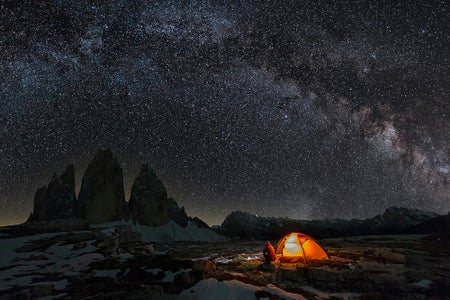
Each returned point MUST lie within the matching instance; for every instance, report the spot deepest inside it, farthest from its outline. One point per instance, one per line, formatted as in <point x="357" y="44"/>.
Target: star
<point x="279" y="110"/>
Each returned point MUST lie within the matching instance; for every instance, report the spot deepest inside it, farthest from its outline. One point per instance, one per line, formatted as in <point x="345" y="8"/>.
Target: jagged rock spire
<point x="177" y="214"/>
<point x="57" y="201"/>
<point x="148" y="200"/>
<point x="102" y="197"/>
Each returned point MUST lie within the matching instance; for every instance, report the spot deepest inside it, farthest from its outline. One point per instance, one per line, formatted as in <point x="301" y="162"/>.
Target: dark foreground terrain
<point x="98" y="264"/>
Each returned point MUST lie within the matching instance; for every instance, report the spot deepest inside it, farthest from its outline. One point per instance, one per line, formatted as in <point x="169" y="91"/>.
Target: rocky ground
<point x="114" y="264"/>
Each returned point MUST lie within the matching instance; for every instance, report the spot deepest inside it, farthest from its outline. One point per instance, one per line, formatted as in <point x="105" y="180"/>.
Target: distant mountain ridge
<point x="102" y="198"/>
<point x="395" y="220"/>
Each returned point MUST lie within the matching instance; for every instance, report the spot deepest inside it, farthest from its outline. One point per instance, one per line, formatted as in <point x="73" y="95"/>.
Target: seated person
<point x="269" y="253"/>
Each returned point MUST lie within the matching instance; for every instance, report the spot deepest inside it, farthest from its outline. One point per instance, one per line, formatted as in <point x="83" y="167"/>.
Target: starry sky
<point x="305" y="109"/>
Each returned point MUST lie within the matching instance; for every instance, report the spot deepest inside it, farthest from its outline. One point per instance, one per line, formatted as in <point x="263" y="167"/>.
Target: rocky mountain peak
<point x="57" y="201"/>
<point x="177" y="214"/>
<point x="104" y="152"/>
<point x="405" y="217"/>
<point x="68" y="176"/>
<point x="395" y="220"/>
<point x="146" y="170"/>
<point x="148" y="200"/>
<point x="102" y="196"/>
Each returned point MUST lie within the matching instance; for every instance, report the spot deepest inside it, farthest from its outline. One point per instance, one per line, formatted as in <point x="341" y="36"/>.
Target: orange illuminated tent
<point x="298" y="247"/>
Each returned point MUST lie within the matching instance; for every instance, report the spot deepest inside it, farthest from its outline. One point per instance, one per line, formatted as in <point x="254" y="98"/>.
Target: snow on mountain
<point x="170" y="232"/>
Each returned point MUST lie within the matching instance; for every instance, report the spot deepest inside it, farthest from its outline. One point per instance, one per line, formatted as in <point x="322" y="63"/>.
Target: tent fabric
<point x="298" y="247"/>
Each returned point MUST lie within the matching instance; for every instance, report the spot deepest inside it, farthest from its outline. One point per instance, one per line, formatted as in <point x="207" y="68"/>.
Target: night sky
<point x="304" y="109"/>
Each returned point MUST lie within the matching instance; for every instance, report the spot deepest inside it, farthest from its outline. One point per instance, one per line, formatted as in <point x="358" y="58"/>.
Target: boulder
<point x="151" y="291"/>
<point x="186" y="280"/>
<point x="57" y="201"/>
<point x="206" y="267"/>
<point x="102" y="197"/>
<point x="148" y="200"/>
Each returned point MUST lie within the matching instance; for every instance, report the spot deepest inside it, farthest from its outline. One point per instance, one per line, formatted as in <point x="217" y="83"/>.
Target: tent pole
<point x="303" y="251"/>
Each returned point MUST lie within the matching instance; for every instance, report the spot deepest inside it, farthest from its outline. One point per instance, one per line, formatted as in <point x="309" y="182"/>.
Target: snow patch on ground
<point x="212" y="289"/>
<point x="153" y="271"/>
<point x="424" y="283"/>
<point x="7" y="246"/>
<point x="74" y="265"/>
<point x="8" y="278"/>
<point x="56" y="258"/>
<point x="106" y="273"/>
<point x="254" y="257"/>
<point x="123" y="257"/>
<point x="222" y="260"/>
<point x="17" y="274"/>
<point x="249" y="256"/>
<point x="233" y="289"/>
<point x="58" y="284"/>
<point x="64" y="251"/>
